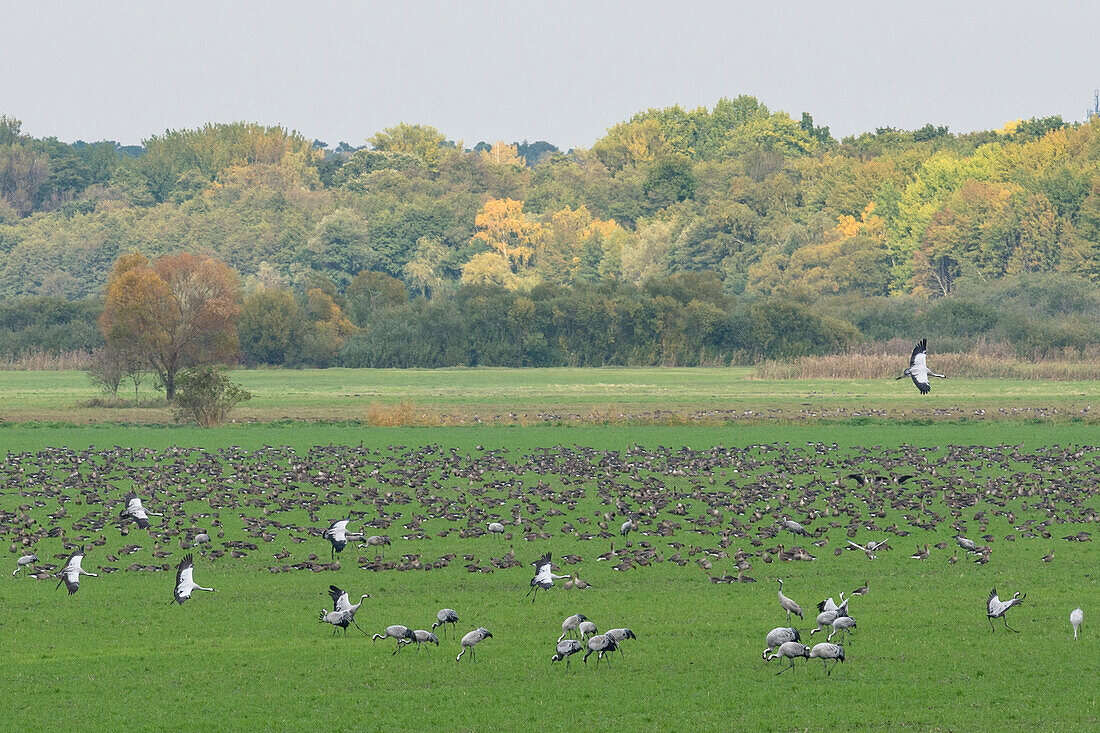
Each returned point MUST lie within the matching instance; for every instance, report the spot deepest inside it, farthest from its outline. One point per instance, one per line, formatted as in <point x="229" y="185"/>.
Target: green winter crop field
<point x="118" y="654"/>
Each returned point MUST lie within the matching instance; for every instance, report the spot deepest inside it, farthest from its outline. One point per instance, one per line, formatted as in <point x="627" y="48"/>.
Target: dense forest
<point x="681" y="237"/>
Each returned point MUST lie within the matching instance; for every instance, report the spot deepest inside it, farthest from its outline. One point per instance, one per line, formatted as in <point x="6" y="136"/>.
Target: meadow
<point x="253" y="655"/>
<point x="676" y="396"/>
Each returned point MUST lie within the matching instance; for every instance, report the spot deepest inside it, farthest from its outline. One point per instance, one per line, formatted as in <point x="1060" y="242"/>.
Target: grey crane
<point x="826" y="651"/>
<point x="600" y="644"/>
<point x="544" y="576"/>
<point x="70" y="574"/>
<point x="471" y="639"/>
<point x="627" y="527"/>
<point x="587" y="629"/>
<point x="619" y="635"/>
<point x="337" y="534"/>
<point x="968" y="545"/>
<point x="842" y="623"/>
<point x="788" y="605"/>
<point x="136" y="511"/>
<point x="343" y="612"/>
<point x="421" y="637"/>
<point x="1076" y="618"/>
<point x="446" y="617"/>
<point x="794" y="527"/>
<point x="996" y="608"/>
<point x="23" y="562"/>
<point x="495" y="528"/>
<point x="790" y="650"/>
<point x="777" y="637"/>
<point x="185" y="583"/>
<point x="403" y="634"/>
<point x="569" y="625"/>
<point x="565" y="649"/>
<point x="918" y="368"/>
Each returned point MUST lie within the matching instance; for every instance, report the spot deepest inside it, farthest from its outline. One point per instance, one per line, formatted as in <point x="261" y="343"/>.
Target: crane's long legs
<point x="991" y="625"/>
<point x="1009" y="627"/>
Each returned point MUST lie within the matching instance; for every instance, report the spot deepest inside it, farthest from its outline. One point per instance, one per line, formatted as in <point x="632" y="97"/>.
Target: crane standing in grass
<point x="1076" y="618"/>
<point x="788" y="605"/>
<point x="471" y="639"/>
<point x="446" y="617"/>
<point x="826" y="651"/>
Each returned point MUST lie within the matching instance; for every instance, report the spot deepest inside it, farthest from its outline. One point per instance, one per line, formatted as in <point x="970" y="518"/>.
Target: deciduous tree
<point x="176" y="312"/>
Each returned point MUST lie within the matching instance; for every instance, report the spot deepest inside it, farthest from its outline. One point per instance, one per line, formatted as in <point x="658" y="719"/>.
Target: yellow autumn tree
<point x="503" y="154"/>
<point x="502" y="226"/>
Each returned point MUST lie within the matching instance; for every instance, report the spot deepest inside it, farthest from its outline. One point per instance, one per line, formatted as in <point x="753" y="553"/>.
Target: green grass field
<point x="562" y="396"/>
<point x="253" y="655"/>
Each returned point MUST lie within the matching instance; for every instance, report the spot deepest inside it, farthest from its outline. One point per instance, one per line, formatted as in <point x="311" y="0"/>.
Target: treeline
<point x="764" y="201"/>
<point x="685" y="319"/>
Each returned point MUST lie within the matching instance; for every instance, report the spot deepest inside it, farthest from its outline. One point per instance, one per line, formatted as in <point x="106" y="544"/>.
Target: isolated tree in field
<point x="177" y="312"/>
<point x="206" y="395"/>
<point x="106" y="370"/>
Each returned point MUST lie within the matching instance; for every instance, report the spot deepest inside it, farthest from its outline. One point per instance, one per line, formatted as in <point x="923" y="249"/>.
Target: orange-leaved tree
<point x="176" y="312"/>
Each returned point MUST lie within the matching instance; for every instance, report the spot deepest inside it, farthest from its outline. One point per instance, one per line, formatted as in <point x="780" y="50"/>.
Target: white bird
<point x="627" y="527"/>
<point x="136" y="511"/>
<point x="184" y="582"/>
<point x="842" y="623"/>
<point x="790" y="650"/>
<point x="565" y="649"/>
<point x="338" y="535"/>
<point x="544" y="577"/>
<point x="918" y="368"/>
<point x="23" y="562"/>
<point x="1076" y="618"/>
<point x="825" y="651"/>
<point x="788" y="605"/>
<point x="777" y="637"/>
<point x="496" y="528"/>
<point x="70" y="574"/>
<point x="996" y="608"/>
<point x="343" y="612"/>
<point x="570" y="624"/>
<point x="587" y="628"/>
<point x="444" y="617"/>
<point x="600" y="644"/>
<point x="424" y="637"/>
<point x="472" y="638"/>
<point x="403" y="634"/>
<point x="830" y="605"/>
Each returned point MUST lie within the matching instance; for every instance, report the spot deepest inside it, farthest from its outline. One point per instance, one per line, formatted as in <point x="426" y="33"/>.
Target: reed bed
<point x="984" y="361"/>
<point x="37" y="360"/>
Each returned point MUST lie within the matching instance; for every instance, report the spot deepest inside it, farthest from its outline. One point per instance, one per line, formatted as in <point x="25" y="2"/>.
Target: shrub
<point x="207" y="395"/>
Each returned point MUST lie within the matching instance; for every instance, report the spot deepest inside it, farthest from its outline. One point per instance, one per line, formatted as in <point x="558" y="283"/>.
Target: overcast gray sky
<point x="560" y="71"/>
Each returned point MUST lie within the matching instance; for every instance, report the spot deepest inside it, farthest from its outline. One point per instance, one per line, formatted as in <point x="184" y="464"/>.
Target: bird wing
<point x="922" y="383"/>
<point x="184" y="578"/>
<point x="993" y="603"/>
<point x="340" y="600"/>
<point x="919" y="353"/>
<point x="72" y="581"/>
<point x="542" y="565"/>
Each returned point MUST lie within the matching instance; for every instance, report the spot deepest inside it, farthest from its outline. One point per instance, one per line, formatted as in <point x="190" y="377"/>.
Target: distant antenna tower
<point x="1095" y="111"/>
